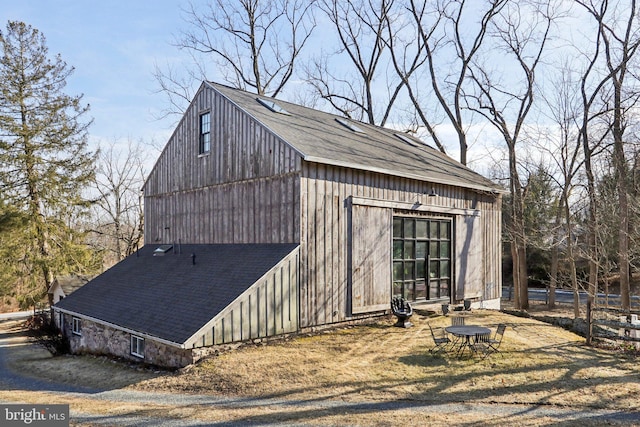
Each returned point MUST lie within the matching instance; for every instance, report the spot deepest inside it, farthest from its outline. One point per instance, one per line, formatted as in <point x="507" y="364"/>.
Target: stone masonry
<point x="99" y="339"/>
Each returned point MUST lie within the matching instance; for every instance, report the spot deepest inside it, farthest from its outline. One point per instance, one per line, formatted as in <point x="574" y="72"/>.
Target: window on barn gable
<point x="137" y="346"/>
<point x="75" y="326"/>
<point x="422" y="258"/>
<point x="205" y="133"/>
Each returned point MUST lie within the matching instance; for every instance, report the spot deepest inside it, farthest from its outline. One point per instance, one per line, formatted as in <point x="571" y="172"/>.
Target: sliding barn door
<point x="469" y="257"/>
<point x="371" y="229"/>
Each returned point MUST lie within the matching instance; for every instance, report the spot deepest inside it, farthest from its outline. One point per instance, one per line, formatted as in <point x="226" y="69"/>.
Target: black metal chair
<point x="457" y="320"/>
<point x="481" y="344"/>
<point x="403" y="311"/>
<point x="495" y="341"/>
<point x="441" y="342"/>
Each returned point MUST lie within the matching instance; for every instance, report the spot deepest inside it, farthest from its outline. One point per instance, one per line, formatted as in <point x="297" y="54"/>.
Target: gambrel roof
<point x="321" y="137"/>
<point x="169" y="295"/>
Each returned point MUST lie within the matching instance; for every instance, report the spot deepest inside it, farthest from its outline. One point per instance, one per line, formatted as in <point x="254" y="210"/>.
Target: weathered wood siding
<point x="468" y="263"/>
<point x="371" y="257"/>
<point x="245" y="190"/>
<point x="241" y="150"/>
<point x="255" y="188"/>
<point x="256" y="211"/>
<point x="268" y="308"/>
<point x="326" y="230"/>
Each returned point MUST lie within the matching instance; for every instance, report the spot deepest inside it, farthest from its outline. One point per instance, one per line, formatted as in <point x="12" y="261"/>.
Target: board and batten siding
<point x="326" y="230"/>
<point x="267" y="308"/>
<point x="255" y="188"/>
<point x="245" y="190"/>
<point x="257" y="211"/>
<point x="241" y="149"/>
<point x="371" y="260"/>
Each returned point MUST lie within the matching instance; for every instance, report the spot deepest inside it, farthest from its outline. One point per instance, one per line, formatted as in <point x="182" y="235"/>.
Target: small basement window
<point x="271" y="105"/>
<point x="349" y="125"/>
<point x="137" y="346"/>
<point x="75" y="326"/>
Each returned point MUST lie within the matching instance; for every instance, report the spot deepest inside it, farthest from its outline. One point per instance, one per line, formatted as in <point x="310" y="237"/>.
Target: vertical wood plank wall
<point x="254" y="188"/>
<point x="371" y="258"/>
<point x="257" y="211"/>
<point x="324" y="232"/>
<point x="268" y="308"/>
<point x="468" y="264"/>
<point x="241" y="149"/>
<point x="246" y="190"/>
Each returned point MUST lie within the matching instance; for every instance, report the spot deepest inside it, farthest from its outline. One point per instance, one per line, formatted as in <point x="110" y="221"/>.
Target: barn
<point x="331" y="217"/>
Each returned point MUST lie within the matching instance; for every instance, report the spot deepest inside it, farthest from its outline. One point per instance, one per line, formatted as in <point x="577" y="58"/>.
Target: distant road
<point x="566" y="297"/>
<point x="16" y="315"/>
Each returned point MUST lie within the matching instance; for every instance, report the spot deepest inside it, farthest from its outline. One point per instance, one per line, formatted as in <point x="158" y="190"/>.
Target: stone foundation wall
<point x="99" y="339"/>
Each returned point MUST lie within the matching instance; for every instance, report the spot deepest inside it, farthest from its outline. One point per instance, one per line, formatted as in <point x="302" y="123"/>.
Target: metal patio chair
<point x="441" y="342"/>
<point x="495" y="341"/>
<point x="481" y="344"/>
<point x="457" y="320"/>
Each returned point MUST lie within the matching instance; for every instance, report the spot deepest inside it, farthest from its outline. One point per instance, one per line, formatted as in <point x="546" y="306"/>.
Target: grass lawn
<point x="538" y="364"/>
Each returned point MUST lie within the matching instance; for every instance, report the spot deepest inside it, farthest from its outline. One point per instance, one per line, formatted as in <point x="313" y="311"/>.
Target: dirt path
<point x="107" y="406"/>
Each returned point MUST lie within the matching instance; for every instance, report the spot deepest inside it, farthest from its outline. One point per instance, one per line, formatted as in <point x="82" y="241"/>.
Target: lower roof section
<point x="171" y="291"/>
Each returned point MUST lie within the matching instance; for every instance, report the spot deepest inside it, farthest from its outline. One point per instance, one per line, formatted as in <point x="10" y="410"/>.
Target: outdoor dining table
<point x="466" y="333"/>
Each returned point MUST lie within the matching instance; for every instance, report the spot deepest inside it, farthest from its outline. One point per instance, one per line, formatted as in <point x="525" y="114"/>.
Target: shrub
<point x="47" y="334"/>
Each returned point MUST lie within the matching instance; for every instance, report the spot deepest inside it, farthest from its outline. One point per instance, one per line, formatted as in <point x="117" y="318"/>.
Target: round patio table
<point x="466" y="332"/>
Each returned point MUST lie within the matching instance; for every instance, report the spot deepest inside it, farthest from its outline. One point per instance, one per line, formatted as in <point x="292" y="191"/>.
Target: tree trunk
<point x="623" y="218"/>
<point x="574" y="279"/>
<point x="517" y="299"/>
<point x="553" y="275"/>
<point x="524" y="279"/>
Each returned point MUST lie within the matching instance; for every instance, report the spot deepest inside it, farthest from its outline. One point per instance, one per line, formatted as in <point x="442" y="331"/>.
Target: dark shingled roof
<point x="320" y="138"/>
<point x="167" y="296"/>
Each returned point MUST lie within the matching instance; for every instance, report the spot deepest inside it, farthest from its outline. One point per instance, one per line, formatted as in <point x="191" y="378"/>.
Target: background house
<point x="372" y="213"/>
<point x="65" y="286"/>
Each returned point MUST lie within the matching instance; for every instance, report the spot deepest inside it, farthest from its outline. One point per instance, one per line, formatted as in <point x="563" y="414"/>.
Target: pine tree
<point x="45" y="162"/>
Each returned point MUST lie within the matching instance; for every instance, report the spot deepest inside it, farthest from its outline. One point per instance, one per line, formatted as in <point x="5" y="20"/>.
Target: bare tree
<point x="562" y="107"/>
<point x="616" y="45"/>
<point x="507" y="107"/>
<point x="451" y="27"/>
<point x="348" y="77"/>
<point x="591" y="83"/>
<point x="118" y="210"/>
<point x="254" y="43"/>
<point x="620" y="47"/>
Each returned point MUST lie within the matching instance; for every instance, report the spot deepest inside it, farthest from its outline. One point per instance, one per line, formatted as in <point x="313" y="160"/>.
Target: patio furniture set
<point x="460" y="338"/>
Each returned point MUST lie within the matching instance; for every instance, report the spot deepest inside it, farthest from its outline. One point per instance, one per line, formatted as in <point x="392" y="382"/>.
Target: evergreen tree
<point x="44" y="159"/>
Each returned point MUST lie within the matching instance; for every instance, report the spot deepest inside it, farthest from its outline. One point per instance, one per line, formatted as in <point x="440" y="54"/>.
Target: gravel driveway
<point x="10" y="380"/>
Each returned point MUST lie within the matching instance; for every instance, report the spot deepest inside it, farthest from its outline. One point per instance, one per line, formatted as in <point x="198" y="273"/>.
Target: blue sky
<point x="114" y="46"/>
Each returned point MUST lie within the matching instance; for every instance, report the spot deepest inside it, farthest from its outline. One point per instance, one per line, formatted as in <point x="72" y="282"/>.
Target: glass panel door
<point x="421" y="258"/>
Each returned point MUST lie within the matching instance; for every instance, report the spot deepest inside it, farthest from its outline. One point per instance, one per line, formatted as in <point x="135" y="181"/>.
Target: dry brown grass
<point x="539" y="364"/>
